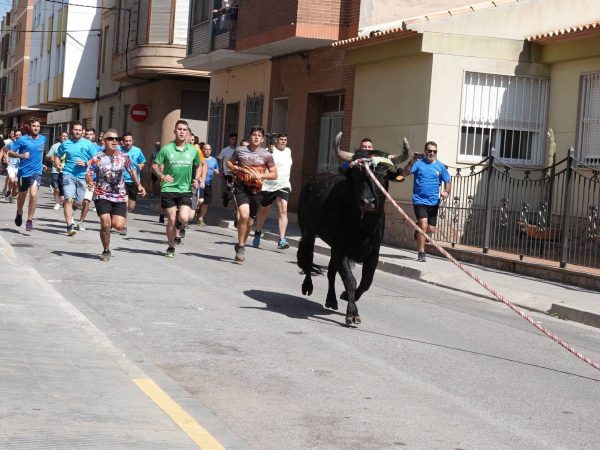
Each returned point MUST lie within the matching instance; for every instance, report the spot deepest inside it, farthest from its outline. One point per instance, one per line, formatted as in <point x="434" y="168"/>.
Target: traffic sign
<point x="139" y="112"/>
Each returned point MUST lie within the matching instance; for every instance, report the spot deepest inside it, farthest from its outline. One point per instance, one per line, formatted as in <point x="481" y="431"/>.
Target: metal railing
<point x="551" y="213"/>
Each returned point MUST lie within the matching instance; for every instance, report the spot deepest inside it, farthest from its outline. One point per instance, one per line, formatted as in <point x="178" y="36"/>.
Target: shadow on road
<point x="140" y="251"/>
<point x="11" y="230"/>
<point x="292" y="306"/>
<point x="149" y="241"/>
<point x="211" y="257"/>
<point x="76" y="254"/>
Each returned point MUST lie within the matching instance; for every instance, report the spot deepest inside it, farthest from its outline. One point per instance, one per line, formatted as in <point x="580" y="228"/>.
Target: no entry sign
<point x="139" y="112"/>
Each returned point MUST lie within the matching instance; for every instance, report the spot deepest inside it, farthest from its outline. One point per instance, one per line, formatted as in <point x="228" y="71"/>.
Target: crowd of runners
<point x="105" y="170"/>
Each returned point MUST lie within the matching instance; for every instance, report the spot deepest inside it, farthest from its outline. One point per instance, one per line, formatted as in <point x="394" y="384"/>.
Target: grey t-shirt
<point x="258" y="158"/>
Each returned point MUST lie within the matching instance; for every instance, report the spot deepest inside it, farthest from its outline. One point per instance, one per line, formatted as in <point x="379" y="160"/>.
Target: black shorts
<point x="429" y="212"/>
<point x="132" y="191"/>
<point x="104" y="206"/>
<point x="244" y="197"/>
<point x="175" y="199"/>
<point x="268" y="197"/>
<point x="26" y="182"/>
<point x="205" y="194"/>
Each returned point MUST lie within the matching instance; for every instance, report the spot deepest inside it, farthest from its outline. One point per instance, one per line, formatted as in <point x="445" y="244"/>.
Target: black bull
<point x="345" y="210"/>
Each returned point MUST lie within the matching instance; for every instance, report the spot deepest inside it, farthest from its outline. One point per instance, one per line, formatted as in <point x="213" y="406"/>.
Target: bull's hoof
<point x="357" y="319"/>
<point x="333" y="304"/>
<point x="349" y="320"/>
<point x="307" y="288"/>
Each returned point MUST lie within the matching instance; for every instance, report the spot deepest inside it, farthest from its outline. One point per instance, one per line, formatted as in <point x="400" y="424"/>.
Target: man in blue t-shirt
<point x="429" y="174"/>
<point x="137" y="158"/>
<point x="205" y="194"/>
<point x="77" y="151"/>
<point x="30" y="151"/>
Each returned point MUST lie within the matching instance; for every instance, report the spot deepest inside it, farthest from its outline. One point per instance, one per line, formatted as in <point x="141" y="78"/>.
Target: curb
<point x="575" y="315"/>
<point x="417" y="275"/>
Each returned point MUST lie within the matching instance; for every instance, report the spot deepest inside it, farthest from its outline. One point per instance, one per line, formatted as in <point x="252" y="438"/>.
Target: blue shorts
<point x="26" y="182"/>
<point x="74" y="187"/>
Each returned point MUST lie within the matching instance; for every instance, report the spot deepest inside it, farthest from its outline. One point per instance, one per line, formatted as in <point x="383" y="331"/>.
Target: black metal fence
<point x="550" y="213"/>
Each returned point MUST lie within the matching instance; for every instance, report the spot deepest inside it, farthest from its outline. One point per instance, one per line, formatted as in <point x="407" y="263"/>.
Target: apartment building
<point x="63" y="61"/>
<point x="143" y="88"/>
<point x="17" y="110"/>
<point x="272" y="63"/>
<point x="4" y="45"/>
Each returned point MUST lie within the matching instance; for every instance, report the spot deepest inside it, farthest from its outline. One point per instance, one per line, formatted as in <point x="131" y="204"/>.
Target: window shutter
<point x="160" y="22"/>
<point x="589" y="126"/>
<point x="180" y="31"/>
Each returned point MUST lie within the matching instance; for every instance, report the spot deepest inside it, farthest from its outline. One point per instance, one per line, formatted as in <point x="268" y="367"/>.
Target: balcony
<point x="212" y="44"/>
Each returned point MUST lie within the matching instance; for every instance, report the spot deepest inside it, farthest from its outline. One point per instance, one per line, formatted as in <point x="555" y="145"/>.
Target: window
<point x="50" y="32"/>
<point x="588" y="139"/>
<point x="142" y="24"/>
<point x="332" y="121"/>
<point x="111" y="117"/>
<point x="504" y="113"/>
<point x="215" y="124"/>
<point x="254" y="107"/>
<point x="200" y="11"/>
<point x="125" y="118"/>
<point x="280" y="115"/>
<point x="104" y="47"/>
<point x="117" y="36"/>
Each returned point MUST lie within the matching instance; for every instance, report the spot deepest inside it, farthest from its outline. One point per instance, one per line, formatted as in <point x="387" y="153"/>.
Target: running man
<point x="90" y="135"/>
<point x="30" y="150"/>
<point x="250" y="166"/>
<point x="205" y="195"/>
<point x="137" y="158"/>
<point x="56" y="182"/>
<point x="223" y="157"/>
<point x="429" y="174"/>
<point x="178" y="159"/>
<point x="77" y="151"/>
<point x="12" y="169"/>
<point x="108" y="168"/>
<point x="276" y="191"/>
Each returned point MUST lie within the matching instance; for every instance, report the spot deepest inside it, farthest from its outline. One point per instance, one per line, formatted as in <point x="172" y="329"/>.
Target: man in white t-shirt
<point x="277" y="191"/>
<point x="223" y="157"/>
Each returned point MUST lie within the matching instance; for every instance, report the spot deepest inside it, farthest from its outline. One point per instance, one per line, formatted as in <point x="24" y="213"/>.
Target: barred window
<point x="506" y="113"/>
<point x="254" y="107"/>
<point x="215" y="124"/>
<point x="589" y="120"/>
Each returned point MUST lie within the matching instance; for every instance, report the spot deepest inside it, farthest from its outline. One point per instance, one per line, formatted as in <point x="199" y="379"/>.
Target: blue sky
<point x="5" y="6"/>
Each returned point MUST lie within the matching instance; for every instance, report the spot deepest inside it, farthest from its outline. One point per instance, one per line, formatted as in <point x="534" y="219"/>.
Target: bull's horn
<point x="405" y="155"/>
<point x="341" y="154"/>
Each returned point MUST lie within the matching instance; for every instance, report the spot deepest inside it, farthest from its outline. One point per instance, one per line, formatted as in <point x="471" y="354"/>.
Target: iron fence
<point x="551" y="213"/>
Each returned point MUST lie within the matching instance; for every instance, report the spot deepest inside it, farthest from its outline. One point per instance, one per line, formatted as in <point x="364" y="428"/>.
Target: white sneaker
<point x="56" y="206"/>
<point x="80" y="227"/>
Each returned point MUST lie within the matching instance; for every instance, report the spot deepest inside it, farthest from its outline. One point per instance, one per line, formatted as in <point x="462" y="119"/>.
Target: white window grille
<point x="506" y="113"/>
<point x="589" y="121"/>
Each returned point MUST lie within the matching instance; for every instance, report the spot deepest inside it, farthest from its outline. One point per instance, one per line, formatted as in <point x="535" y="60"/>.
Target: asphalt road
<point x="427" y="368"/>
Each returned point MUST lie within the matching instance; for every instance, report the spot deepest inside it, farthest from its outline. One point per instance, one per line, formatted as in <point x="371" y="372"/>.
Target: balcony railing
<point x="224" y="25"/>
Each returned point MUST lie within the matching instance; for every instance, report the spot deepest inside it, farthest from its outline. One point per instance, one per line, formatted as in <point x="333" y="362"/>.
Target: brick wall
<point x="303" y="78"/>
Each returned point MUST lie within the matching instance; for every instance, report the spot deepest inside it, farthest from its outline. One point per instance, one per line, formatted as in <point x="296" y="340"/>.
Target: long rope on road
<point x="496" y="294"/>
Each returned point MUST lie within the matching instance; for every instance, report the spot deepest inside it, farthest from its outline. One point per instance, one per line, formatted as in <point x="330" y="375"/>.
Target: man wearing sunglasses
<point x="108" y="169"/>
<point x="429" y="174"/>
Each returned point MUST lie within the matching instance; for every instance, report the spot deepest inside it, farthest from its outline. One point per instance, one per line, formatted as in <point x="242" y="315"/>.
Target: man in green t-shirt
<point x="177" y="160"/>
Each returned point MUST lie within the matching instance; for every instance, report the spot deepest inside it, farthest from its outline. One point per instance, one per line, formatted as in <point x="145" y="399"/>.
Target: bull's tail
<point x="305" y="255"/>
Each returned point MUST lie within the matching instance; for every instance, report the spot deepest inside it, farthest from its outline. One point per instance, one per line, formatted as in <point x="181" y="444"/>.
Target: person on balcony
<point x="225" y="17"/>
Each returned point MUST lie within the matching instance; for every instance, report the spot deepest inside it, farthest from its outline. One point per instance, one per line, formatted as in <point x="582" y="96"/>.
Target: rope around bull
<point x="499" y="296"/>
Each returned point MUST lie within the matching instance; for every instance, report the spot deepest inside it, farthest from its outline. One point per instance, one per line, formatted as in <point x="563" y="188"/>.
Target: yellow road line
<point x="187" y="423"/>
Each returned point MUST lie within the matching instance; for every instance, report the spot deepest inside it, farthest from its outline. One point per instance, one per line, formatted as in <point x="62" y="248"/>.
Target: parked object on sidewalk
<point x="346" y="210"/>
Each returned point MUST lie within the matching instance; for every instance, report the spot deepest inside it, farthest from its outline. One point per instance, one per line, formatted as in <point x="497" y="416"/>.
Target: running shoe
<point x="240" y="253"/>
<point x="124" y="231"/>
<point x="161" y="218"/>
<point x="170" y="253"/>
<point x="29" y="225"/>
<point x="421" y="257"/>
<point x="19" y="219"/>
<point x="256" y="239"/>
<point x="182" y="232"/>
<point x="201" y="223"/>
<point x="105" y="256"/>
<point x="80" y="227"/>
<point x="11" y="199"/>
<point x="177" y="241"/>
<point x="56" y="206"/>
<point x="71" y="231"/>
<point x="283" y="244"/>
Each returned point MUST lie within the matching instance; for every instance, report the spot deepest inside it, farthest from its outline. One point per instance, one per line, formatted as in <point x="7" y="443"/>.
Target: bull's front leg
<point x="368" y="272"/>
<point x="331" y="300"/>
<point x="350" y="286"/>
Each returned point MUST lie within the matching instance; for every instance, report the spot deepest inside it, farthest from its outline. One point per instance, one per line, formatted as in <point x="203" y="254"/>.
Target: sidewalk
<point x="65" y="384"/>
<point x="567" y="302"/>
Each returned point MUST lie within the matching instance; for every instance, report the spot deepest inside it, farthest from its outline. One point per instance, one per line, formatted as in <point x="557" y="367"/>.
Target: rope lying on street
<point x="499" y="296"/>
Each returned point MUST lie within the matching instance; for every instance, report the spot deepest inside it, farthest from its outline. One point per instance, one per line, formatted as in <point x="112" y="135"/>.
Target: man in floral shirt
<point x="110" y="166"/>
